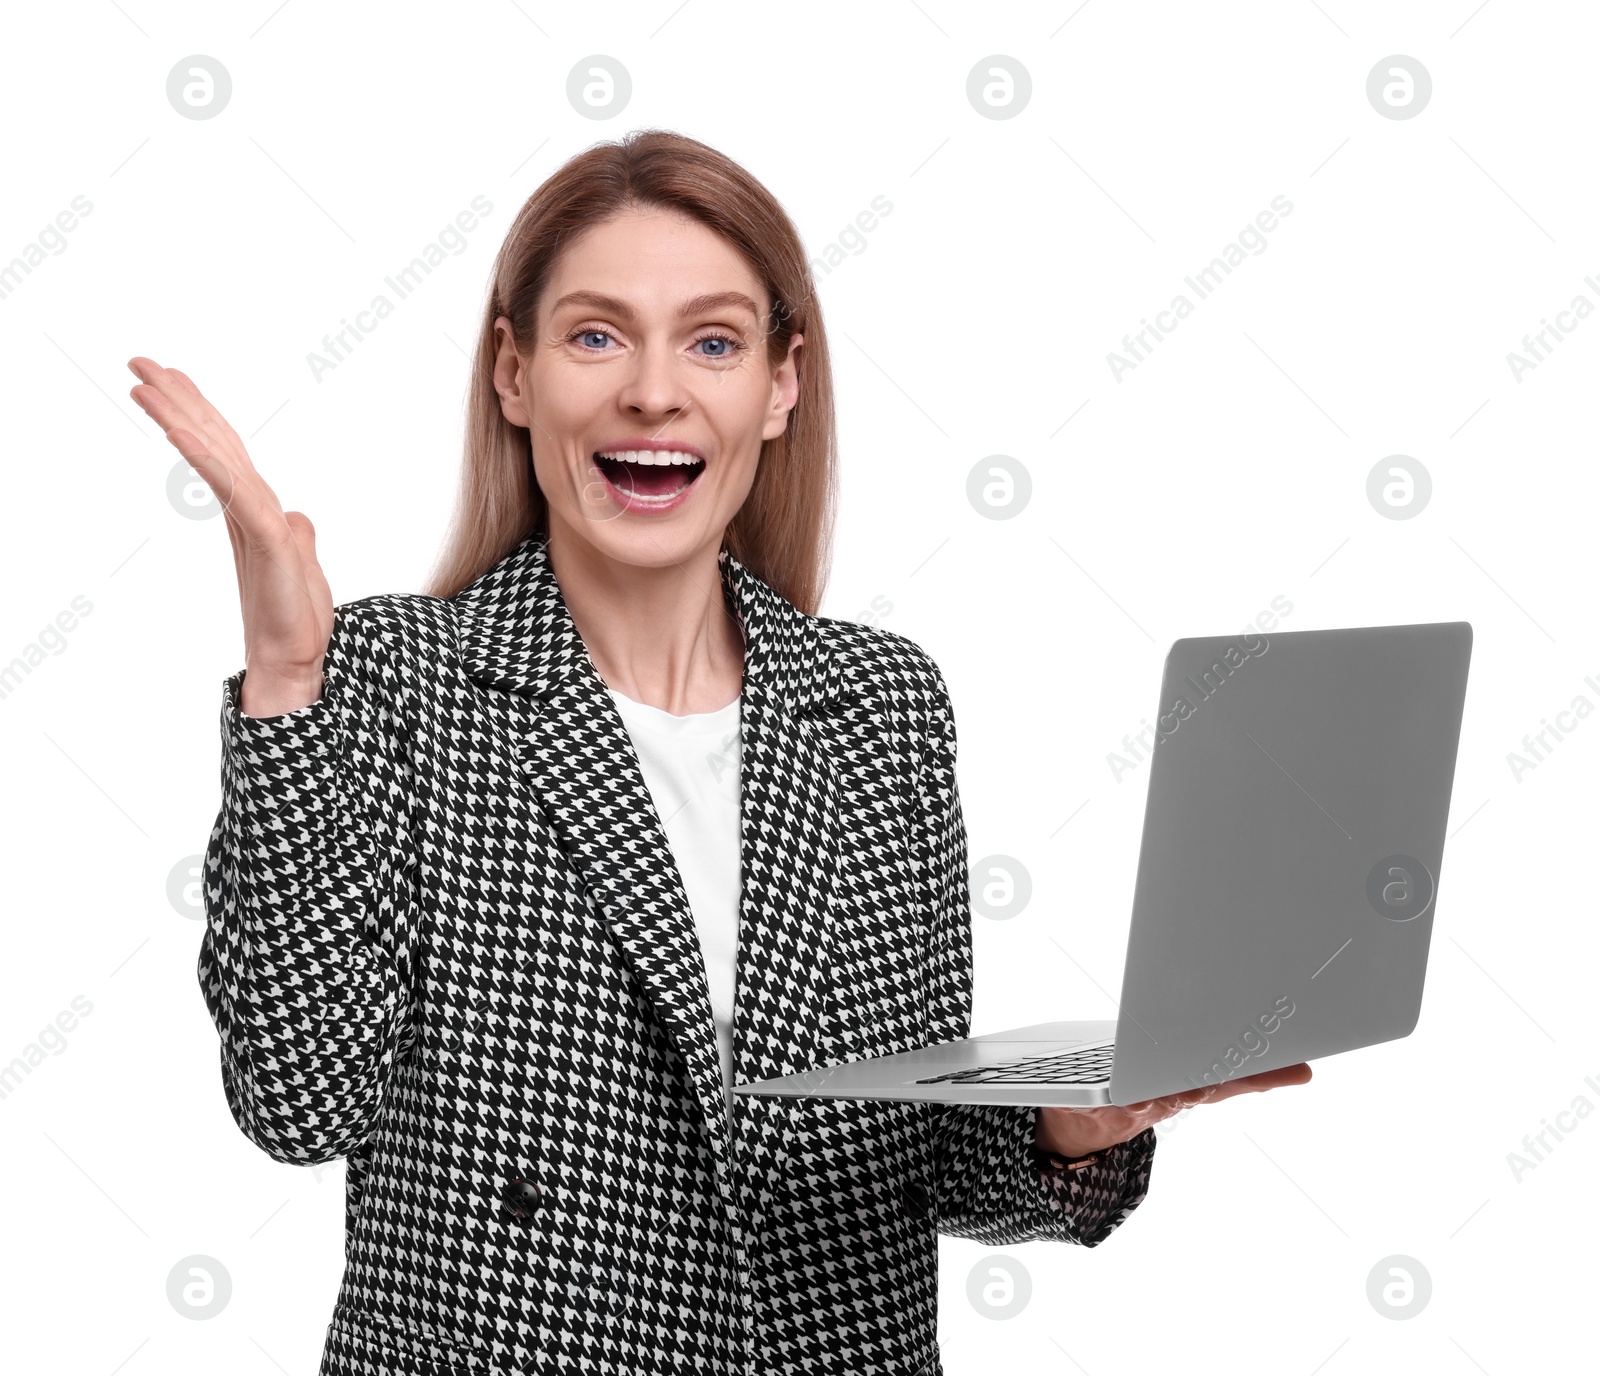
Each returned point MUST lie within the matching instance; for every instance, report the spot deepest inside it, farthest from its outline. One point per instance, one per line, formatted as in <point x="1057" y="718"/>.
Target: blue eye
<point x="733" y="345"/>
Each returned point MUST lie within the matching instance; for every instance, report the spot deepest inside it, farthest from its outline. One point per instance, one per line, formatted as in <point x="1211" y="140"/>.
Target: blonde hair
<point x="784" y="531"/>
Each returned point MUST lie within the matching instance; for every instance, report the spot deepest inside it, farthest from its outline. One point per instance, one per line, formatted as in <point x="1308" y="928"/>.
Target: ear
<point x="785" y="389"/>
<point x="508" y="376"/>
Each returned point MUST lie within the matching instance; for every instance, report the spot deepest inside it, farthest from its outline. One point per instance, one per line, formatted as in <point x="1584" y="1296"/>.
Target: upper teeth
<point x="660" y="456"/>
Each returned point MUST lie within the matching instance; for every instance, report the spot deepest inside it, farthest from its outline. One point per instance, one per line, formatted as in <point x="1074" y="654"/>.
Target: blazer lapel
<point x="576" y="755"/>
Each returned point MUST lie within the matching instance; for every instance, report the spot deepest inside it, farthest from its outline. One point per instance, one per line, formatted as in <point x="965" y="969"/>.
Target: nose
<point x="652" y="382"/>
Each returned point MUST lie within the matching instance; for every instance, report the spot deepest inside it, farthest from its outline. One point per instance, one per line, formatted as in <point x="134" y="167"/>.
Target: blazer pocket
<point x="358" y="1342"/>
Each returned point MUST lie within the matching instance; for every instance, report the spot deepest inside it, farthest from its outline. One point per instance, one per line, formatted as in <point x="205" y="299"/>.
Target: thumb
<point x="305" y="540"/>
<point x="305" y="534"/>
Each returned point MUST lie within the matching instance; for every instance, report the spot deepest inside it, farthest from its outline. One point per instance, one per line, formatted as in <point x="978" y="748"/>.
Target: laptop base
<point x="905" y="1074"/>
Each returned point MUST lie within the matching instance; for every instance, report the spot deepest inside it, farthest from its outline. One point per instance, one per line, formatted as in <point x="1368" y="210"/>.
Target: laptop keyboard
<point x="1082" y="1065"/>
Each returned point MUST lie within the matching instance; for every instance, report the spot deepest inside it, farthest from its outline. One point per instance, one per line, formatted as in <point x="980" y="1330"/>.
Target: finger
<point x="171" y="403"/>
<point x="1226" y="1090"/>
<point x="305" y="534"/>
<point x="185" y="381"/>
<point x="169" y="406"/>
<point x="236" y="539"/>
<point x="284" y="545"/>
<point x="1170" y="1105"/>
<point x="250" y="509"/>
<point x="245" y="499"/>
<point x="215" y="417"/>
<point x="180" y="399"/>
<point x="1270" y="1079"/>
<point x="1186" y="1099"/>
<point x="1146" y="1114"/>
<point x="1266" y="1079"/>
<point x="1285" y="1075"/>
<point x="238" y="474"/>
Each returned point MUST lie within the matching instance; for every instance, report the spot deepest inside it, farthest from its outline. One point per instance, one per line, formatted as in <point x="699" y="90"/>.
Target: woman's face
<point x="650" y="345"/>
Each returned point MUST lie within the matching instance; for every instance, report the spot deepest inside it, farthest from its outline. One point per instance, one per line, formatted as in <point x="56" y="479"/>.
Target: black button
<point x="521" y="1198"/>
<point x="917" y="1198"/>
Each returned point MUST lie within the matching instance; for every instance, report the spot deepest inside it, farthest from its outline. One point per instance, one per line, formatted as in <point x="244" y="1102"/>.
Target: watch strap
<point x="1054" y="1163"/>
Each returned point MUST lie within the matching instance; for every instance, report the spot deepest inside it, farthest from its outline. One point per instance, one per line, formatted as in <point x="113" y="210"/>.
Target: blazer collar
<point x="516" y="632"/>
<point x="575" y="754"/>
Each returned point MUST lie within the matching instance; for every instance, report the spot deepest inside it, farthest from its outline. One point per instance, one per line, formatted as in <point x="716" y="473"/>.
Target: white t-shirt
<point x="691" y="767"/>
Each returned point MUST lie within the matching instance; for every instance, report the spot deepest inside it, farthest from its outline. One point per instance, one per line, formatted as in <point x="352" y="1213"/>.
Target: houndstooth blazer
<point x="446" y="940"/>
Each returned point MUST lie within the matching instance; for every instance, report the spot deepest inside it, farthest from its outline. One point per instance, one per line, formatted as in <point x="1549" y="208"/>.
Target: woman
<point x="462" y="929"/>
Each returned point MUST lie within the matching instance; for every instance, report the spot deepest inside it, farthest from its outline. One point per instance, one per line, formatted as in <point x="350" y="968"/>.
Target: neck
<point x="659" y="634"/>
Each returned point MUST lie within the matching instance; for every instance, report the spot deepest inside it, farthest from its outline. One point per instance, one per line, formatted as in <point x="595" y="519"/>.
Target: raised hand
<point x="283" y="597"/>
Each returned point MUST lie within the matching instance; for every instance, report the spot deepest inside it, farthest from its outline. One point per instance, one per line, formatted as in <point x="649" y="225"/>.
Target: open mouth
<point x="649" y="480"/>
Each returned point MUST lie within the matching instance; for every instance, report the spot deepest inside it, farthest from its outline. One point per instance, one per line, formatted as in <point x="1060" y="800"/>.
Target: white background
<point x="974" y="320"/>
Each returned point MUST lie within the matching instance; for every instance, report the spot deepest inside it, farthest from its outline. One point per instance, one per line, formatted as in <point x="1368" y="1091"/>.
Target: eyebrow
<point x="695" y="305"/>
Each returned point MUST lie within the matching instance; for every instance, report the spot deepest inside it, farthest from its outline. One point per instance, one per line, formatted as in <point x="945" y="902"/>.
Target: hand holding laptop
<point x="1075" y="1132"/>
<point x="1294" y="828"/>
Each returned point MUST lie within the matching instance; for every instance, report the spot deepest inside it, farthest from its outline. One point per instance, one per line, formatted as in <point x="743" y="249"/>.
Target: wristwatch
<point x="1053" y="1163"/>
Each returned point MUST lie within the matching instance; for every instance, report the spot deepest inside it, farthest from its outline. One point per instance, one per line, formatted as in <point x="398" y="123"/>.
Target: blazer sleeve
<point x="310" y="900"/>
<point x="986" y="1185"/>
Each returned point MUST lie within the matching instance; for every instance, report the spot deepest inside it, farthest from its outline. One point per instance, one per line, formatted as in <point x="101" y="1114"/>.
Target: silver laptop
<point x="1288" y="875"/>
